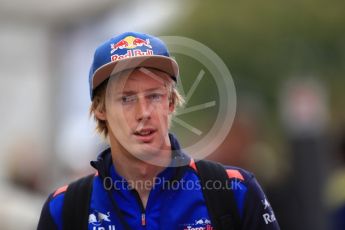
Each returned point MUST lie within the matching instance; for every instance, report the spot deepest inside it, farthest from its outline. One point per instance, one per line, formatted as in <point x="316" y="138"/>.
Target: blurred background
<point x="287" y="60"/>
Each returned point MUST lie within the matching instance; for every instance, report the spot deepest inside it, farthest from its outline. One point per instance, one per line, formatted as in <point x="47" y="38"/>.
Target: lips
<point x="145" y="135"/>
<point x="143" y="132"/>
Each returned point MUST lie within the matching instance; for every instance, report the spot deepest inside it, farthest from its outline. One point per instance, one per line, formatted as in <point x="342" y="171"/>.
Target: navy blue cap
<point x="128" y="51"/>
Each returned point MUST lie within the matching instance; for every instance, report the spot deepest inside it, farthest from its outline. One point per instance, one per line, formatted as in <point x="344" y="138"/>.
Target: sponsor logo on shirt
<point x="269" y="216"/>
<point x="96" y="219"/>
<point x="201" y="224"/>
<point x="265" y="203"/>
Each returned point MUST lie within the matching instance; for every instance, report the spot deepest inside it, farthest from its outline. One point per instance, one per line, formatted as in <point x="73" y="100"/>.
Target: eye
<point x="128" y="99"/>
<point x="155" y="96"/>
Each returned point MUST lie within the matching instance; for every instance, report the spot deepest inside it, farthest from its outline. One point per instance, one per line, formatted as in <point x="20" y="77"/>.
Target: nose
<point x="143" y="109"/>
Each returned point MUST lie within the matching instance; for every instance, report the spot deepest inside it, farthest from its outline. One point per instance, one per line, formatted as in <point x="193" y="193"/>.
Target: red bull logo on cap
<point x="130" y="43"/>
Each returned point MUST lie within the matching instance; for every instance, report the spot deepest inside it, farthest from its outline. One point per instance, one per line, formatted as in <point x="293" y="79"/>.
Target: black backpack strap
<point x="219" y="198"/>
<point x="75" y="211"/>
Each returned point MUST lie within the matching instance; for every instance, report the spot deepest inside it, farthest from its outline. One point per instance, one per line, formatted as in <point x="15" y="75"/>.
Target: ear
<point x="100" y="114"/>
<point x="171" y="105"/>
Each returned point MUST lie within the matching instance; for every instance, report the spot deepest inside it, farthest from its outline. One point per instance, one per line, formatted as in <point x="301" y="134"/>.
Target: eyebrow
<point x="130" y="92"/>
<point x="127" y="92"/>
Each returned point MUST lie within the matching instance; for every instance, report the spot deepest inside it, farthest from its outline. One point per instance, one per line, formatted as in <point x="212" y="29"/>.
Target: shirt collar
<point x="179" y="159"/>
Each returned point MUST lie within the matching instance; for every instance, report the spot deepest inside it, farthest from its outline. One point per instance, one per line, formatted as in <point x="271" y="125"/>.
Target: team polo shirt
<point x="176" y="200"/>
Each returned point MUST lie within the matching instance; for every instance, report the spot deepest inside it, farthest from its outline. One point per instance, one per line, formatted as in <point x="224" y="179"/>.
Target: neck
<point x="134" y="169"/>
<point x="139" y="174"/>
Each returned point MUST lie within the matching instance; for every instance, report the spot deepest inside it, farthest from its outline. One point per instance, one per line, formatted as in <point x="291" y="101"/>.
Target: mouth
<point x="145" y="135"/>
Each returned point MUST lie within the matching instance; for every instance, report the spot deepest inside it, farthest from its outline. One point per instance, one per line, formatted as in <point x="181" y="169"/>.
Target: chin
<point x="145" y="151"/>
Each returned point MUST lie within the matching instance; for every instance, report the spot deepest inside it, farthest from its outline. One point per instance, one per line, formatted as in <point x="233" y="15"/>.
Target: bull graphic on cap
<point x="130" y="42"/>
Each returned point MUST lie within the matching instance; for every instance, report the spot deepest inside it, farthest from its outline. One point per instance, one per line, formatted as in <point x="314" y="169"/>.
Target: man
<point x="141" y="180"/>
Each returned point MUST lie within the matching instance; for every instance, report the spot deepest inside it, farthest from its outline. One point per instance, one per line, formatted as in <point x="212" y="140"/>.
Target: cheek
<point x="163" y="114"/>
<point x="166" y="106"/>
<point x="119" y="119"/>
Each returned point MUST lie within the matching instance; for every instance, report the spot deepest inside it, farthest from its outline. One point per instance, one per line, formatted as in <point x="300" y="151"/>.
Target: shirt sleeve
<point x="46" y="221"/>
<point x="258" y="213"/>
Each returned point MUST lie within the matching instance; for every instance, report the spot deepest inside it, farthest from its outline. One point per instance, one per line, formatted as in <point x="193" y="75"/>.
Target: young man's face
<point x="137" y="112"/>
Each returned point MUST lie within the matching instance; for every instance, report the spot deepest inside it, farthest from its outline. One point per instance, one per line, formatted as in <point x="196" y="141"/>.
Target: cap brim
<point x="165" y="64"/>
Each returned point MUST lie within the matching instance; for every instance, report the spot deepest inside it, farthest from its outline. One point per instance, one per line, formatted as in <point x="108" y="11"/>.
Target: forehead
<point x="139" y="79"/>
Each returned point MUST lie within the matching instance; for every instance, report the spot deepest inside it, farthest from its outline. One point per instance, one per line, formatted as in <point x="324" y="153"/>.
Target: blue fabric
<point x="240" y="193"/>
<point x="173" y="203"/>
<point x="176" y="206"/>
<point x="128" y="43"/>
<point x="338" y="218"/>
<point x="55" y="207"/>
<point x="163" y="207"/>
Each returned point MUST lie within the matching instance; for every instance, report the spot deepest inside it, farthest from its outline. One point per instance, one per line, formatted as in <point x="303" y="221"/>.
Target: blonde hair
<point x="98" y="103"/>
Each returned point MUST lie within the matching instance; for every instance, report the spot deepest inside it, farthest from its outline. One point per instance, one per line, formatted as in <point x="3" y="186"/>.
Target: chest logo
<point x="97" y="218"/>
<point x="201" y="224"/>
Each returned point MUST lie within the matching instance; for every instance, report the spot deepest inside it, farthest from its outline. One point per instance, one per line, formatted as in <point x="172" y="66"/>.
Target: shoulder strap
<point x="76" y="204"/>
<point x="220" y="202"/>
